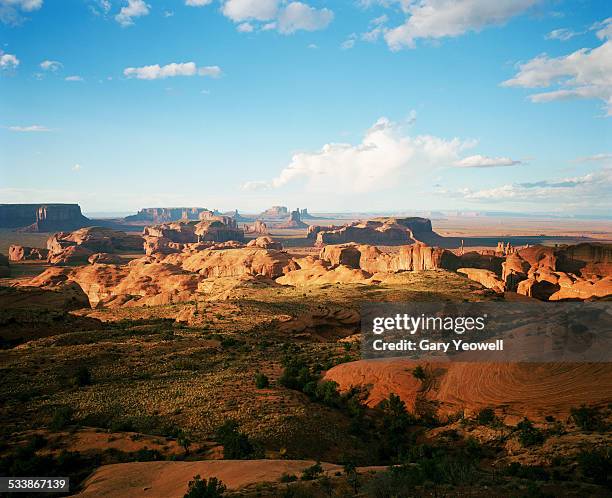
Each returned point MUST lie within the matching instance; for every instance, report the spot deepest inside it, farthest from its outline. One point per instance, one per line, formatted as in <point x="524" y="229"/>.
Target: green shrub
<point x="597" y="465"/>
<point x="82" y="376"/>
<point x="588" y="418"/>
<point x="486" y="416"/>
<point x="528" y="435"/>
<point x="288" y="478"/>
<point x="419" y="373"/>
<point x="261" y="381"/>
<point x="202" y="488"/>
<point x="62" y="418"/>
<point x="531" y="472"/>
<point x="312" y="472"/>
<point x="236" y="445"/>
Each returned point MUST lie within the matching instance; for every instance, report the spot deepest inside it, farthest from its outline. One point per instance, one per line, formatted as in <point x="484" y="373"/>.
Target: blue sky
<point x="336" y="106"/>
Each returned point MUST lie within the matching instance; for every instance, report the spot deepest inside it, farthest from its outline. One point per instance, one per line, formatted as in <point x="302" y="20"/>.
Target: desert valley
<point x="143" y="351"/>
<point x="306" y="248"/>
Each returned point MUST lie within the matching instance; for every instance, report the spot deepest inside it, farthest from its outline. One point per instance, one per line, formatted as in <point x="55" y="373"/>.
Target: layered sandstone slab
<point x="171" y="479"/>
<point x="535" y="390"/>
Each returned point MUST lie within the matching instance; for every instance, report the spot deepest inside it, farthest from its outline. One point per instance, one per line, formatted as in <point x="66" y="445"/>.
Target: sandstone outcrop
<point x="313" y="230"/>
<point x="24" y="253"/>
<point x="170" y="238"/>
<point x="222" y="229"/>
<point x="105" y="258"/>
<point x="95" y="239"/>
<point x="533" y="390"/>
<point x="69" y="255"/>
<point x="42" y="217"/>
<point x="414" y="257"/>
<point x="174" y="278"/>
<point x="568" y="272"/>
<point x="237" y="262"/>
<point x="258" y="227"/>
<point x="265" y="243"/>
<point x="485" y="277"/>
<point x="316" y="272"/>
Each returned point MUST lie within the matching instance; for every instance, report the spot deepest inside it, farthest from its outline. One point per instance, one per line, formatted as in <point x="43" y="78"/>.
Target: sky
<point x="353" y="105"/>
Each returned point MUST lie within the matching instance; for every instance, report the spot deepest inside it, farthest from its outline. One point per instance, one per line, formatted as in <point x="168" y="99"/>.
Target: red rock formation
<point x="514" y="270"/>
<point x="23" y="253"/>
<point x="414" y="257"/>
<point x="294" y="221"/>
<point x="104" y="258"/>
<point x="96" y="239"/>
<point x="485" y="277"/>
<point x="219" y="230"/>
<point x="265" y="243"/>
<point x="259" y="227"/>
<point x="69" y="255"/>
<point x="236" y="262"/>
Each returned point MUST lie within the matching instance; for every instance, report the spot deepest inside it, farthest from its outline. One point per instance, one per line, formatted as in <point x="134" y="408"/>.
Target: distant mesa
<point x="42" y="217"/>
<point x="293" y="221"/>
<point x="275" y="213"/>
<point x="166" y="214"/>
<point x="237" y="216"/>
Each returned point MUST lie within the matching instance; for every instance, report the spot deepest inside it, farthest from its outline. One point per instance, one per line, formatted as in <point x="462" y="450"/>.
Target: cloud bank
<point x="583" y="74"/>
<point x="385" y="157"/>
<point x="155" y="71"/>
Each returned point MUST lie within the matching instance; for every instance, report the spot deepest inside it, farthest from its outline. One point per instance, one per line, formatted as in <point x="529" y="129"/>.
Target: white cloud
<point x="594" y="158"/>
<point x="603" y="29"/>
<point x="76" y="167"/>
<point x="134" y="8"/>
<point x="74" y="78"/>
<point x="197" y="3"/>
<point x="11" y="10"/>
<point x="29" y="129"/>
<point x="156" y="71"/>
<point x="243" y="10"/>
<point x="168" y="13"/>
<point x="384" y="157"/>
<point x="267" y="15"/>
<point x="444" y="18"/>
<point x="51" y="65"/>
<point x="245" y="27"/>
<point x="299" y="16"/>
<point x="8" y="61"/>
<point x="585" y="73"/>
<point x="588" y="191"/>
<point x="313" y="46"/>
<point x="349" y="42"/>
<point x="478" y="161"/>
<point x="562" y="34"/>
